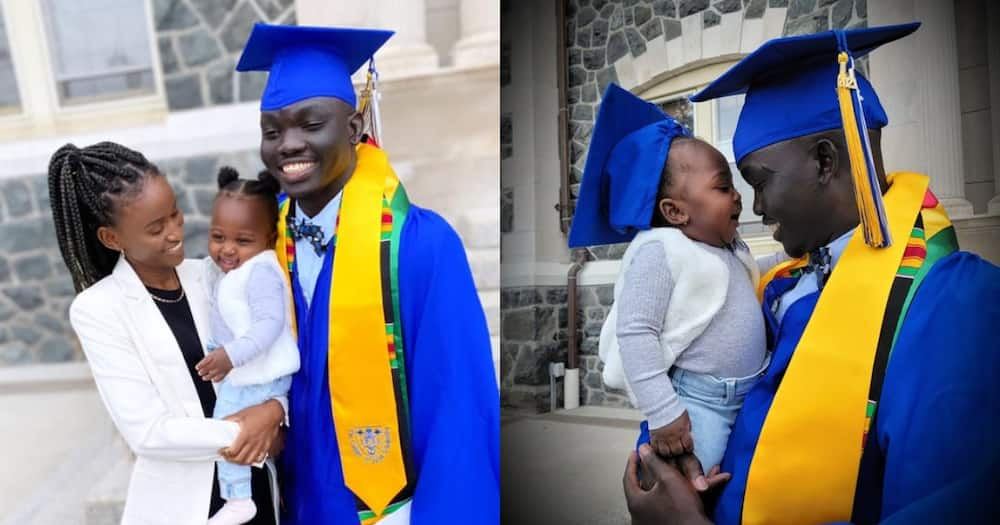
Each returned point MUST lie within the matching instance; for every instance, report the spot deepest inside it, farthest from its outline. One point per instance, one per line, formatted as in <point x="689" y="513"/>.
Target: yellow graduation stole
<point x="363" y="332"/>
<point x="805" y="466"/>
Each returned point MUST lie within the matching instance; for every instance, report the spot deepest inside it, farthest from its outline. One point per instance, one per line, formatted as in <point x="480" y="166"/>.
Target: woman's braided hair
<point x="86" y="187"/>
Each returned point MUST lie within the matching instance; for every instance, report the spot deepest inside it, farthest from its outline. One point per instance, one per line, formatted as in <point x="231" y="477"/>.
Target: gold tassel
<point x="863" y="191"/>
<point x="368" y="105"/>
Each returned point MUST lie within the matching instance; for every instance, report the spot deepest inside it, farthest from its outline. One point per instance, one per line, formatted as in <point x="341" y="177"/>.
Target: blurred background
<point x="157" y="76"/>
<point x="566" y="436"/>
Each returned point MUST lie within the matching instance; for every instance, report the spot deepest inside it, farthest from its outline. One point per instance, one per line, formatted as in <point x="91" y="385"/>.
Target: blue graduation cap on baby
<point x="306" y="62"/>
<point x="790" y="85"/>
<point x="628" y="147"/>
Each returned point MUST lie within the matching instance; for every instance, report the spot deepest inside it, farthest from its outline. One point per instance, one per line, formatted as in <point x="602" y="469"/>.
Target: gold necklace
<point x="167" y="301"/>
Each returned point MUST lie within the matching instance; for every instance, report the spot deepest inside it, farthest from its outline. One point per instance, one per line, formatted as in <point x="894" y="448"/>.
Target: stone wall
<point x="637" y="42"/>
<point x="533" y="334"/>
<point x="814" y="16"/>
<point x="35" y="287"/>
<point x="200" y="42"/>
<point x="36" y="290"/>
<point x="533" y="330"/>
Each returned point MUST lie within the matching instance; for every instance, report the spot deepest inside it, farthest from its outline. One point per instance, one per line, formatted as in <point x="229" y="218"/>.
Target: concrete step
<point x="49" y="377"/>
<point x="106" y="501"/>
<point x="555" y="470"/>
<point x="62" y="498"/>
<point x="598" y="415"/>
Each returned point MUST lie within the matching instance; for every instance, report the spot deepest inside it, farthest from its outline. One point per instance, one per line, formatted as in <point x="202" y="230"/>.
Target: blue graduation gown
<point x="938" y="420"/>
<point x="453" y="398"/>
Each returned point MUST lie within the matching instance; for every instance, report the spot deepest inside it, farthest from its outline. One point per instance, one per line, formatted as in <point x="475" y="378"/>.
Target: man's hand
<point x="214" y="366"/>
<point x="690" y="467"/>
<point x="258" y="430"/>
<point x="671" y="498"/>
<point x="674" y="438"/>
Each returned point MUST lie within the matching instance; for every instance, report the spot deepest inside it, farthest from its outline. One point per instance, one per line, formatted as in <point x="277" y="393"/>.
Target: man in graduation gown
<point x="394" y="415"/>
<point x="881" y="401"/>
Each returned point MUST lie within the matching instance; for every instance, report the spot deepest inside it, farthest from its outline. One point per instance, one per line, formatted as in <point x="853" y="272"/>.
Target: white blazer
<point x="145" y="385"/>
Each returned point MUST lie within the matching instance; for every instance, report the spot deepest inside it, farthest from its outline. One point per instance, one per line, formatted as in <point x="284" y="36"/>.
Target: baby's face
<point x="240" y="229"/>
<point x="705" y="188"/>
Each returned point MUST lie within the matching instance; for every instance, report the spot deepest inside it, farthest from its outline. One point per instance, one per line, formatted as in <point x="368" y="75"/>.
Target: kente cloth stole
<point x="368" y="394"/>
<point x="821" y="413"/>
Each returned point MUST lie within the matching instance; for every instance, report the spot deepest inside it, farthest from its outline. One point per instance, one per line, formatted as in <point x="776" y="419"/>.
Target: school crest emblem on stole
<point x="371" y="443"/>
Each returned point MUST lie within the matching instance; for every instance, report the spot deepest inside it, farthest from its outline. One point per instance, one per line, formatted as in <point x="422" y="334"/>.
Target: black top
<point x="181" y="323"/>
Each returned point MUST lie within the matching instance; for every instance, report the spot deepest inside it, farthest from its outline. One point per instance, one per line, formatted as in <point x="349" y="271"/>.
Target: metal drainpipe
<point x="562" y="68"/>
<point x="571" y="381"/>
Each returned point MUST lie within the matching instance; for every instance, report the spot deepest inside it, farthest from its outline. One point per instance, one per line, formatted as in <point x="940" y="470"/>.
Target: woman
<point x="142" y="314"/>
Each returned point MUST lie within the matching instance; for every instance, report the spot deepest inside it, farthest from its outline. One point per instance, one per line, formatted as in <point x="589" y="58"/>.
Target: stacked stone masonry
<point x="199" y="43"/>
<point x="637" y="42"/>
<point x="35" y="287"/>
<point x="533" y="334"/>
<point x="36" y="290"/>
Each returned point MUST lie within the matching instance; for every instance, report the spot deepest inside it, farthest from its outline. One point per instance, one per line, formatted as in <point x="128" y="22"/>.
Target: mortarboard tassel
<point x="867" y="193"/>
<point x="368" y="106"/>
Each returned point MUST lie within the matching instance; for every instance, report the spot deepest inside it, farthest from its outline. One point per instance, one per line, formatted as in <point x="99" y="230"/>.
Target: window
<point x="726" y="112"/>
<point x="99" y="49"/>
<point x="681" y="109"/>
<point x="69" y="66"/>
<point x="10" y="101"/>
<point x="714" y="121"/>
<point x="723" y="114"/>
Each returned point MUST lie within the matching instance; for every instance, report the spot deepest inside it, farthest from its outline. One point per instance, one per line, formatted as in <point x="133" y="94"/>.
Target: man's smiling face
<point x="309" y="145"/>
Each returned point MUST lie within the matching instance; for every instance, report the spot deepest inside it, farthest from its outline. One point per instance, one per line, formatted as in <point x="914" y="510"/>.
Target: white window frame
<point x="41" y="112"/>
<point x="695" y="117"/>
<point x="11" y="110"/>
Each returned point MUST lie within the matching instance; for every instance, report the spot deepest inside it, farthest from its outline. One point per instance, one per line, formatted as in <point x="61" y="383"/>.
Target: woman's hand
<point x="258" y="431"/>
<point x="278" y="444"/>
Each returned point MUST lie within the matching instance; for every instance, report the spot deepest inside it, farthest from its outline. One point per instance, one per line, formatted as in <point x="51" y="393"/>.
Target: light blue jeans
<point x="234" y="480"/>
<point x="712" y="404"/>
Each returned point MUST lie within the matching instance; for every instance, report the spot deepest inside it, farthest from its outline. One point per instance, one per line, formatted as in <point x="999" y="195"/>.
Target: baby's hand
<point x="215" y="365"/>
<point x="674" y="438"/>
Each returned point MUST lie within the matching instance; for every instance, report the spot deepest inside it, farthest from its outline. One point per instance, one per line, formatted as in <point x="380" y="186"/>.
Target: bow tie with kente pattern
<point x="304" y="229"/>
<point x="820" y="264"/>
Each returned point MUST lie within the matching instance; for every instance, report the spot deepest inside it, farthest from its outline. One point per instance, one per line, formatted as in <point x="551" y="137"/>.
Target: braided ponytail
<point x="85" y="187"/>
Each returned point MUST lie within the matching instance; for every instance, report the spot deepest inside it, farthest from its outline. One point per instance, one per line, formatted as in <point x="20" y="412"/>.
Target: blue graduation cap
<point x="800" y="85"/>
<point x="628" y="147"/>
<point x="306" y="62"/>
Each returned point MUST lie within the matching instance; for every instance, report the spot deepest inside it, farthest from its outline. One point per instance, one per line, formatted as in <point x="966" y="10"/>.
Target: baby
<point x="689" y="328"/>
<point x="685" y="335"/>
<point x="253" y="350"/>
